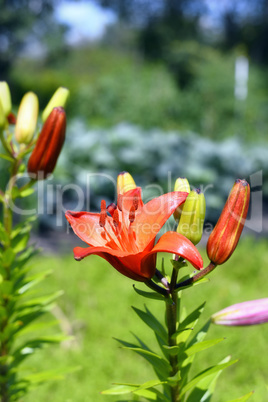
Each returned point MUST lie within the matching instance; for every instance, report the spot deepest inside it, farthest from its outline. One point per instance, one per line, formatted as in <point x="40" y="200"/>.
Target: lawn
<point x="96" y="306"/>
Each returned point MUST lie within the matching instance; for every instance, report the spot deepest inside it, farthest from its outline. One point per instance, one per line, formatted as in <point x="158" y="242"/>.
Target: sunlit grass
<point x="97" y="306"/>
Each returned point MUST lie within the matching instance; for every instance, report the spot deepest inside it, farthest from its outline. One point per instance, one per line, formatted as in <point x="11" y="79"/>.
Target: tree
<point x="21" y="20"/>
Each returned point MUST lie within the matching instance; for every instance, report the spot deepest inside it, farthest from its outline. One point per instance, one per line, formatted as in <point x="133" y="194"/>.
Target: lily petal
<point x="153" y="215"/>
<point x="175" y="243"/>
<point x="127" y="264"/>
<point x="86" y="226"/>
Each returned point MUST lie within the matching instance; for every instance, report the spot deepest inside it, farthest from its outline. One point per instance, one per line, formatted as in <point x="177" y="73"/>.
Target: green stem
<point x="198" y="276"/>
<point x="6" y="146"/>
<point x="8" y="223"/>
<point x="171" y="314"/>
<point x="7" y="211"/>
<point x="155" y="287"/>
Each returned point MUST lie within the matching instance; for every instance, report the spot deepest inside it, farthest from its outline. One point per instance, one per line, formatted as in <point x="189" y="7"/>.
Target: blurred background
<point x="161" y="88"/>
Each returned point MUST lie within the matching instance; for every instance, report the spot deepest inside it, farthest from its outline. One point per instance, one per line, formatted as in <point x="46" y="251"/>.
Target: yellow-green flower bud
<point x="59" y="98"/>
<point x="193" y="216"/>
<point x="125" y="182"/>
<point x="2" y="117"/>
<point x="181" y="184"/>
<point x="27" y="118"/>
<point x="5" y="97"/>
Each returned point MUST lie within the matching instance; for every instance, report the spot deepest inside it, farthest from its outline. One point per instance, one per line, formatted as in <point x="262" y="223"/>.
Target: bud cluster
<point x="225" y="236"/>
<point x="44" y="147"/>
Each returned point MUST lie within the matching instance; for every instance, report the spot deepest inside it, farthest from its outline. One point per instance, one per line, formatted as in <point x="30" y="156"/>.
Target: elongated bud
<point x="125" y="182"/>
<point x="27" y="118"/>
<point x="59" y="98"/>
<point x="2" y="117"/>
<point x="224" y="237"/>
<point x="181" y="184"/>
<point x="48" y="146"/>
<point x="247" y="313"/>
<point x="5" y="97"/>
<point x="193" y="216"/>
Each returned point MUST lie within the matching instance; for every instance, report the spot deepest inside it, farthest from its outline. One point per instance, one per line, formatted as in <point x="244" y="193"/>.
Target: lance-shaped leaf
<point x="204" y="374"/>
<point x="205" y="388"/>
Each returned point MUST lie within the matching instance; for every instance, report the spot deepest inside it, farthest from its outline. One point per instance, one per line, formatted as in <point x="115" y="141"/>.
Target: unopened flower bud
<point x="125" y="182"/>
<point x="59" y="98"/>
<point x="5" y="97"/>
<point x="27" y="118"/>
<point x="181" y="184"/>
<point x="193" y="216"/>
<point x="224" y="237"/>
<point x="2" y="117"/>
<point x="247" y="313"/>
<point x="48" y="146"/>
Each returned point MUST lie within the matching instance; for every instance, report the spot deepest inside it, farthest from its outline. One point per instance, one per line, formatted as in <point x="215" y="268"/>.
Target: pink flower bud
<point x="248" y="313"/>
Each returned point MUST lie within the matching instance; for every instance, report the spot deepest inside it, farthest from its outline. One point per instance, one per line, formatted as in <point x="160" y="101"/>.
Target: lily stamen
<point x="131" y="215"/>
<point x="111" y="208"/>
<point x="103" y="214"/>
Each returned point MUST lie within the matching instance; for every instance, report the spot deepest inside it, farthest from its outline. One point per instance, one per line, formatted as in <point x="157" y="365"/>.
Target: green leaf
<point x="160" y="365"/>
<point x="29" y="347"/>
<point x="8" y="257"/>
<point x="204" y="391"/>
<point x="40" y="301"/>
<point x="4" y="238"/>
<point x="198" y="347"/>
<point x="39" y="326"/>
<point x="6" y="157"/>
<point x="204" y="374"/>
<point x="172" y="350"/>
<point x="149" y="384"/>
<point x="26" y="192"/>
<point x="151" y="395"/>
<point x="32" y="281"/>
<point x="145" y="390"/>
<point x="192" y="318"/>
<point x="189" y="322"/>
<point x="150" y="295"/>
<point x="149" y="319"/>
<point x="119" y="390"/>
<point x="243" y="398"/>
<point x="49" y="375"/>
<point x="201" y="334"/>
<point x="175" y="379"/>
<point x="23" y="227"/>
<point x="186" y="363"/>
<point x="19" y="243"/>
<point x="27" y="317"/>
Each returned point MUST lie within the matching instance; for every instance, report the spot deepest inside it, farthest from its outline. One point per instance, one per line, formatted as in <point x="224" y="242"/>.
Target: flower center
<point x="118" y="231"/>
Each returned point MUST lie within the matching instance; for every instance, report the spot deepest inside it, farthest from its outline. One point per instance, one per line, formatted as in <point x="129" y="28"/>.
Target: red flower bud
<point x="48" y="146"/>
<point x="224" y="237"/>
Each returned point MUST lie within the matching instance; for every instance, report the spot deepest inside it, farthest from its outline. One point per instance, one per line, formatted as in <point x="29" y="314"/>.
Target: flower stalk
<point x="16" y="305"/>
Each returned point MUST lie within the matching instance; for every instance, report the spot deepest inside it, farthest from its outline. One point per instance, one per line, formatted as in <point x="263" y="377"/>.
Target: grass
<point x="96" y="305"/>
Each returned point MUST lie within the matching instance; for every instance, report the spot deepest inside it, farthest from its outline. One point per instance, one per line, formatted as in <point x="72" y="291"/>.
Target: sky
<point x="86" y="19"/>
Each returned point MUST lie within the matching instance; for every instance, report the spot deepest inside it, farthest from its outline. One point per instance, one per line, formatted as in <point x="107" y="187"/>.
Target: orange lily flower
<point x="126" y="238"/>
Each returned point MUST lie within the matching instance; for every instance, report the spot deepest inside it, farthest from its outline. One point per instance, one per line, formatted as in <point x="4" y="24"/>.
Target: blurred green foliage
<point x="109" y="86"/>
